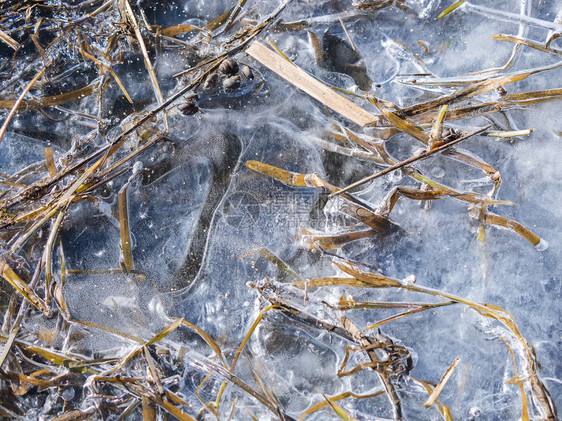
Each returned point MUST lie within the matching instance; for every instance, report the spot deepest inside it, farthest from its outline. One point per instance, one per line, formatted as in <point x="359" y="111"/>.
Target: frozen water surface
<point x="215" y="237"/>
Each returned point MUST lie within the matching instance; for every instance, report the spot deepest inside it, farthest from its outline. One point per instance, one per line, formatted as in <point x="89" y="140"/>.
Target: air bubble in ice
<point x="137" y="168"/>
<point x="99" y="253"/>
<point x="68" y="394"/>
<point x="437" y="172"/>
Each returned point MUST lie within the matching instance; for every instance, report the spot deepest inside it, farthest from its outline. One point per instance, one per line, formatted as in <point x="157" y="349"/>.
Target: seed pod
<point x="229" y="67"/>
<point x="247" y="72"/>
<point x="189" y="108"/>
<point x="232" y="82"/>
<point x="211" y="81"/>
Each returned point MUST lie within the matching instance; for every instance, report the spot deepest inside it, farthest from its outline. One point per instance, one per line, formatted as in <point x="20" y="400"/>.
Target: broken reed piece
<point x="310" y="85"/>
<point x="408" y="161"/>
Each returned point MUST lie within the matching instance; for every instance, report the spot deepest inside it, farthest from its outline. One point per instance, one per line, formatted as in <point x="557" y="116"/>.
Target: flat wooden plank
<point x="308" y="84"/>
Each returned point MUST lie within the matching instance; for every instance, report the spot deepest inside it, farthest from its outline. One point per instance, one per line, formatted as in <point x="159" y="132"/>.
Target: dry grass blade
<point x="347" y="34"/>
<point x="376" y="148"/>
<point x="287" y="177"/>
<point x="436" y="192"/>
<point x="507" y="38"/>
<point x="180" y="29"/>
<point x="516" y="380"/>
<point x="280" y="264"/>
<point x="429" y="388"/>
<point x="379" y="224"/>
<point x="526" y="98"/>
<point x="444" y="379"/>
<point x="249" y="334"/>
<point x="63" y="201"/>
<point x="54" y="357"/>
<point x="9" y="40"/>
<point x="32" y="104"/>
<point x="133" y="21"/>
<point x="308" y="84"/>
<point x="338" y="410"/>
<point x="165" y="332"/>
<point x="400" y="123"/>
<point x="535" y="240"/>
<point x="159" y="336"/>
<point x="553" y="34"/>
<point x="475" y="161"/>
<point x="14" y="280"/>
<point x="270" y="396"/>
<point x="115" y="332"/>
<point x="407" y="313"/>
<point x="369" y="345"/>
<point x="235" y="12"/>
<point x="219" y="20"/>
<point x="110" y="70"/>
<point x="449" y="9"/>
<point x="439" y="189"/>
<point x="124" y="415"/>
<point x="345" y="395"/>
<point x="49" y="159"/>
<point x="345" y="304"/>
<point x="126" y="251"/>
<point x="476" y="86"/>
<point x="58" y="294"/>
<point x="281" y="53"/>
<point x="153" y="372"/>
<point x="331" y="281"/>
<point x="463" y="112"/>
<point x="169" y="407"/>
<point x="18" y="102"/>
<point x="436" y="130"/>
<point x="242" y="346"/>
<point x="330" y="241"/>
<point x="148" y="409"/>
<point x="332" y="147"/>
<point x="373" y="279"/>
<point x="513" y="133"/>
<point x="47" y="255"/>
<point x="242" y="385"/>
<point x="76" y="415"/>
<point x="173" y="397"/>
<point x="494" y="83"/>
<point x="29" y="380"/>
<point x="210" y="341"/>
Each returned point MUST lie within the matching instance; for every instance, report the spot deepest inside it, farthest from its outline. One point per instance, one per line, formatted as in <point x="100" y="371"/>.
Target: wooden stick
<point x="310" y="85"/>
